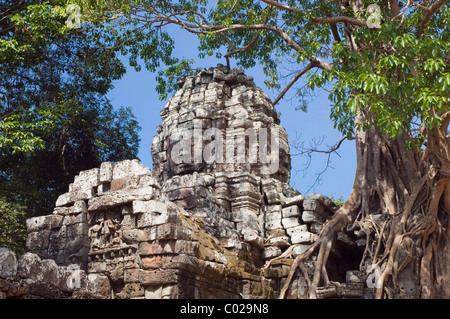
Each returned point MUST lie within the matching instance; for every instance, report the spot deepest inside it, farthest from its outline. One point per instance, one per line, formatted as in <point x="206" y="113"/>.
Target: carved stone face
<point x="220" y="121"/>
<point x="220" y="151"/>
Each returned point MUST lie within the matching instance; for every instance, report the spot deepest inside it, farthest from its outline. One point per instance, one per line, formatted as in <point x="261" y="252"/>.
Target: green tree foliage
<point x="13" y="232"/>
<point x="368" y="59"/>
<point x="54" y="117"/>
<point x="339" y="201"/>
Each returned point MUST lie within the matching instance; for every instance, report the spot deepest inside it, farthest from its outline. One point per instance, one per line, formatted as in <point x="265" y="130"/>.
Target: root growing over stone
<point x="410" y="246"/>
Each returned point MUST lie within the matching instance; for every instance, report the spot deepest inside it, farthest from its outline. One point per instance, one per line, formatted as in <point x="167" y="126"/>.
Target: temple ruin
<point x="201" y="224"/>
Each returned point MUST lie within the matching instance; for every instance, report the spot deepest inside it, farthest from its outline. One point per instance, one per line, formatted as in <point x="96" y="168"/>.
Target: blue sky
<point x="137" y="90"/>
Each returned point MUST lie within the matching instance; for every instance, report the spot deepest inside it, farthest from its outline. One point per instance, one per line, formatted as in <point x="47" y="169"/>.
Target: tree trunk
<point x="400" y="200"/>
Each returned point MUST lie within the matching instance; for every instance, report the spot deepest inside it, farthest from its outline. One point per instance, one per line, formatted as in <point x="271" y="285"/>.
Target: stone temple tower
<point x="216" y="208"/>
<point x="221" y="154"/>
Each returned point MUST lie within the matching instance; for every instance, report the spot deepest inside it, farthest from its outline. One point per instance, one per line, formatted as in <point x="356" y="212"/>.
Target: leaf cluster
<point x="55" y="119"/>
<point x="13" y="232"/>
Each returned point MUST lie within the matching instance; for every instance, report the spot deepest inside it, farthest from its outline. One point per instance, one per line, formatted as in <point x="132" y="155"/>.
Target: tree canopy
<point x="55" y="119"/>
<point x="388" y="58"/>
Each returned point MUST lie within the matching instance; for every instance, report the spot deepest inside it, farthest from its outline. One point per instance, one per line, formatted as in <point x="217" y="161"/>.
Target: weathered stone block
<point x="290" y="201"/>
<point x="57" y="242"/>
<point x="118" y="184"/>
<point x="167" y="231"/>
<point x="303" y="237"/>
<point x="106" y="172"/>
<point x="273" y="224"/>
<point x="272" y="190"/>
<point x="97" y="267"/>
<point x="275" y="233"/>
<point x="281" y="241"/>
<point x="326" y="201"/>
<point x="86" y="180"/>
<point x="252" y="237"/>
<point x="39" y="240"/>
<point x="112" y="199"/>
<point x="56" y="221"/>
<point x="290" y="222"/>
<point x="326" y="292"/>
<point x="313" y="205"/>
<point x="159" y="292"/>
<point x="271" y="252"/>
<point x="273" y="209"/>
<point x="49" y="271"/>
<point x="291" y="211"/>
<point x="147" y="234"/>
<point x="61" y="210"/>
<point x="312" y="217"/>
<point x="186" y="247"/>
<point x="8" y="263"/>
<point x="353" y="290"/>
<point x="352" y="276"/>
<point x="129" y="168"/>
<point x="246" y="216"/>
<point x="158" y="277"/>
<point x="73" y="219"/>
<point x="70" y="278"/>
<point x="116" y="271"/>
<point x="64" y="199"/>
<point x="129" y="236"/>
<point x="99" y="284"/>
<point x="299" y="228"/>
<point x="35" y="224"/>
<point x="151" y="262"/>
<point x="146" y="249"/>
<point x="151" y="206"/>
<point x="268" y="217"/>
<point x="77" y="238"/>
<point x="147" y="180"/>
<point x="29" y="266"/>
<point x="299" y="249"/>
<point x="151" y="219"/>
<point x="131" y="275"/>
<point x="233" y="242"/>
<point x="71" y="197"/>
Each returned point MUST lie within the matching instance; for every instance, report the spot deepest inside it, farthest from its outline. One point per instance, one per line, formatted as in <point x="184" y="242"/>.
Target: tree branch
<point x="343" y="19"/>
<point x="244" y="49"/>
<point x="281" y="6"/>
<point x="293" y="80"/>
<point x="429" y="14"/>
<point x="393" y="4"/>
<point x="418" y="5"/>
<point x="314" y="149"/>
<point x="205" y="28"/>
<point x="335" y="32"/>
<point x="284" y="35"/>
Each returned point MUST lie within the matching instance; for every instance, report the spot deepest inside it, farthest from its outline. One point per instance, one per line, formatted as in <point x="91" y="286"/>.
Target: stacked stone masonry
<point x="192" y="228"/>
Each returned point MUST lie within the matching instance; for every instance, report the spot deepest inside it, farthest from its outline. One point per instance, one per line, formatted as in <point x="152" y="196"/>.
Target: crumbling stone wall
<point x="200" y="226"/>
